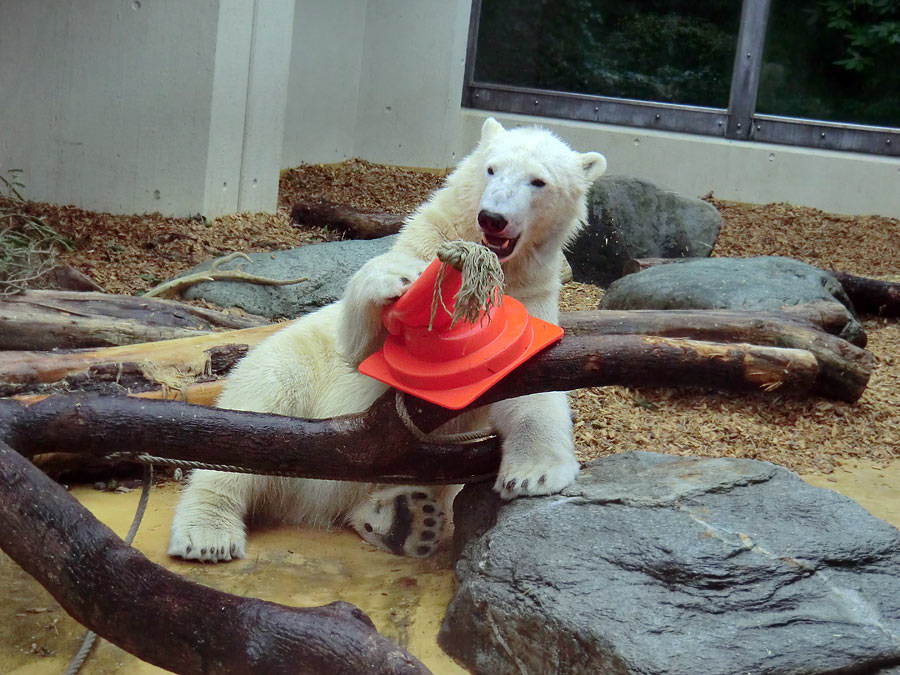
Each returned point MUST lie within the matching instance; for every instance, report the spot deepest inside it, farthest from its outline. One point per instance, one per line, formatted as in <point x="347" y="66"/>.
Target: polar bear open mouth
<point x="502" y="247"/>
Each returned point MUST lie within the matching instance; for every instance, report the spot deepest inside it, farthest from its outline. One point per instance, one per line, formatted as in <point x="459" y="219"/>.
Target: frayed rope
<point x="482" y="282"/>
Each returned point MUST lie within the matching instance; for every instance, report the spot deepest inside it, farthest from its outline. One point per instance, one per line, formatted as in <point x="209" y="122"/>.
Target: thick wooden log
<point x="844" y="369"/>
<point x="170" y="364"/>
<point x="375" y="445"/>
<point x="871" y="296"/>
<point x="37" y="320"/>
<point x="159" y="616"/>
<point x="358" y="224"/>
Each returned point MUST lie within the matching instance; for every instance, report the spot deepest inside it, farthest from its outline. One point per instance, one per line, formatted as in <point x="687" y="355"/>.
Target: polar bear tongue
<point x="502" y="246"/>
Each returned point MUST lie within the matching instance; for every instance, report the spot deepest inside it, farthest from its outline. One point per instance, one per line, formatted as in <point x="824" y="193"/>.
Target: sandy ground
<point x="405" y="597"/>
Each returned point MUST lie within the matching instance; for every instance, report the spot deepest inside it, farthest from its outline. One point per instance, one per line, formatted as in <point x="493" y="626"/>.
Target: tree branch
<point x="159" y="616"/>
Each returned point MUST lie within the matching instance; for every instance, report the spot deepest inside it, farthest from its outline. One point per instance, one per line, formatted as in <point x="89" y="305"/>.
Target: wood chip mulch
<point x="130" y="254"/>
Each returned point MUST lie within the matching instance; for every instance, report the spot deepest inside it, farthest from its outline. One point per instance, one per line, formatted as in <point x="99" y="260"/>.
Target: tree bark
<point x="159" y="616"/>
<point x="358" y="224"/>
<point x="38" y="320"/>
<point x="871" y="296"/>
<point x="172" y="364"/>
<point x="349" y="448"/>
<point x="843" y="369"/>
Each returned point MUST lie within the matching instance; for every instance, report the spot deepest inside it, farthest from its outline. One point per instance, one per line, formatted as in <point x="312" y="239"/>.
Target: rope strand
<point x="90" y="638"/>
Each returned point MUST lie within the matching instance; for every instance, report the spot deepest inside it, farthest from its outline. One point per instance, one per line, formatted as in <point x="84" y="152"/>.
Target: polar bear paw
<point x="403" y="520"/>
<point x="389" y="277"/>
<point x="541" y="476"/>
<point x="208" y="544"/>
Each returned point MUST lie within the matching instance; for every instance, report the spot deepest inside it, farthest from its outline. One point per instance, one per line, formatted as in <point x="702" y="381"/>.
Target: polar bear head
<point x="530" y="187"/>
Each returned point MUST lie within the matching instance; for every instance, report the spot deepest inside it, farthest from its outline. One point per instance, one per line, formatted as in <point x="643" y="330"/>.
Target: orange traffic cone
<point x="453" y="364"/>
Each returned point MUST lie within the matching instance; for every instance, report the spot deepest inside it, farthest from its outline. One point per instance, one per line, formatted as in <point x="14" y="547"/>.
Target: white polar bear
<point x="522" y="194"/>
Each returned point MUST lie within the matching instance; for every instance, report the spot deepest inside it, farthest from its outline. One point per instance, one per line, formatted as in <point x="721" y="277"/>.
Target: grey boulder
<point x="327" y="267"/>
<point x="655" y="564"/>
<point x="763" y="283"/>
<point x="633" y="218"/>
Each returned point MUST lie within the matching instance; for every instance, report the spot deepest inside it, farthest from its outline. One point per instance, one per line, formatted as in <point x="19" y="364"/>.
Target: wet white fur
<point x="308" y="368"/>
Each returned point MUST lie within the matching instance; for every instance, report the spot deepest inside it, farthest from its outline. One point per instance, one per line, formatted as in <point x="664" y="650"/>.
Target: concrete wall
<point x="186" y="107"/>
<point x="377" y="79"/>
<point x="142" y="105"/>
<point x="838" y="182"/>
<point x="325" y="75"/>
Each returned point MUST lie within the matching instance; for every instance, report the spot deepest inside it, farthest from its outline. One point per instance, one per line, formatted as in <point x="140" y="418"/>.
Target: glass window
<point x="833" y="60"/>
<point x="672" y="51"/>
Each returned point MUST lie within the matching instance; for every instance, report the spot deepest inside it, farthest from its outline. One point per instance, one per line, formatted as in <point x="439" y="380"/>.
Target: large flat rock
<point x="327" y="267"/>
<point x="761" y="283"/>
<point x="655" y="564"/>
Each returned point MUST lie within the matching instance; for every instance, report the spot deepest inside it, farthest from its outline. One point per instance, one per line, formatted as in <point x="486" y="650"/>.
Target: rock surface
<point x="764" y="283"/>
<point x="632" y="218"/>
<point x="656" y="564"/>
<point x="328" y="267"/>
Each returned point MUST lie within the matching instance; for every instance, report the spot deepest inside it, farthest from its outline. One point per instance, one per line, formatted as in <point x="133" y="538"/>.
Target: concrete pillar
<point x="135" y="106"/>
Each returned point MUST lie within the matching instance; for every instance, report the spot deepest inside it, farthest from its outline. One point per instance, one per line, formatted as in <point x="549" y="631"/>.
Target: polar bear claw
<point x="403" y="520"/>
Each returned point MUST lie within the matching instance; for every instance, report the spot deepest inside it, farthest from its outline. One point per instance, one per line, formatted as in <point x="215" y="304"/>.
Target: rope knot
<point x="482" y="282"/>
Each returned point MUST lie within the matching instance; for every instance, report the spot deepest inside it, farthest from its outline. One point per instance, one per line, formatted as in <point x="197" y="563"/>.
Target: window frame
<point x="739" y="121"/>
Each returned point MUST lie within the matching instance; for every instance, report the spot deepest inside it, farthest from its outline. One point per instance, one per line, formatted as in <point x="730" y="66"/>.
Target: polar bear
<point x="521" y="193"/>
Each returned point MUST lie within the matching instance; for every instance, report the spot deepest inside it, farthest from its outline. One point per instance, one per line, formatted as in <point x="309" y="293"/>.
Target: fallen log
<point x="161" y="617"/>
<point x="100" y="581"/>
<point x="37" y="320"/>
<point x="844" y="370"/>
<point x="375" y="444"/>
<point x="871" y="296"/>
<point x="169" y="364"/>
<point x="357" y="224"/>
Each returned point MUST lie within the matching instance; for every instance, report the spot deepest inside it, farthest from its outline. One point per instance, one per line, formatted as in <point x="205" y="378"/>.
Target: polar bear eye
<point x="490" y="171"/>
<point x="538" y="183"/>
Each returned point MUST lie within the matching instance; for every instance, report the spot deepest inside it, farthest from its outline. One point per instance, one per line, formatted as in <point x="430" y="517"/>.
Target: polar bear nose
<point x="491" y="222"/>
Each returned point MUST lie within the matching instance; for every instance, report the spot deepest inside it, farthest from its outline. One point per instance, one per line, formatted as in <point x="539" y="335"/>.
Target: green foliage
<point x="824" y="59"/>
<point x="833" y="60"/>
<point x="28" y="245"/>
<point x="660" y="50"/>
<point x="870" y="29"/>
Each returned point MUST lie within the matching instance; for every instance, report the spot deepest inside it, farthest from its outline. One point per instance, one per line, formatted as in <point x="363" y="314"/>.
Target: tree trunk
<point x="69" y="320"/>
<point x="159" y="616"/>
<point x="170" y="364"/>
<point x="843" y="369"/>
<point x="375" y="445"/>
<point x="357" y="224"/>
<point x="871" y="296"/>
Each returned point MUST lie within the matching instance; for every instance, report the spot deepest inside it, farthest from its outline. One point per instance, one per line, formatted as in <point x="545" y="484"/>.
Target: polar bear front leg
<point x="406" y="520"/>
<point x="538" y="445"/>
<point x="379" y="282"/>
<point x="209" y="519"/>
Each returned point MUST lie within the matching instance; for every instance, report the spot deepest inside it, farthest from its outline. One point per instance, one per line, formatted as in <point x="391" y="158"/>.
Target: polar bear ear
<point x="490" y="128"/>
<point x="594" y="165"/>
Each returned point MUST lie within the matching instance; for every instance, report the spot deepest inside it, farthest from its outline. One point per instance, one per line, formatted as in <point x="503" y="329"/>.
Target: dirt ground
<point x="130" y="254"/>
